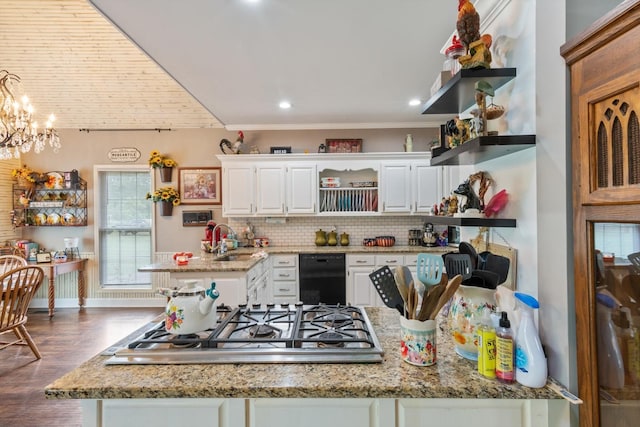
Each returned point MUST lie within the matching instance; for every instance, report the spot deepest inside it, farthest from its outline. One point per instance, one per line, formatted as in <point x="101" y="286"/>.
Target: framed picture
<point x="200" y="186"/>
<point x="344" y="145"/>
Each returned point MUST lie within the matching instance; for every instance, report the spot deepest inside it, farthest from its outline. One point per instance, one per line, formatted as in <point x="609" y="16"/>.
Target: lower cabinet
<point x="360" y="289"/>
<point x="317" y="412"/>
<point x="284" y="278"/>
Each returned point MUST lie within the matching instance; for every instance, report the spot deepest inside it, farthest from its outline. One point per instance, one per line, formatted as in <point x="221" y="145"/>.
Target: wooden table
<point x="53" y="269"/>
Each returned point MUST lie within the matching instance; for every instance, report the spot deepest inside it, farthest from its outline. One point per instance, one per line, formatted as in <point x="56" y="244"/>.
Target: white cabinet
<point x="284" y="278"/>
<point x="395" y="187"/>
<point x="427" y="186"/>
<point x="360" y="289"/>
<point x="238" y="189"/>
<point x="315" y="412"/>
<point x="169" y="412"/>
<point x="270" y="189"/>
<point x="258" y="289"/>
<point x="292" y="184"/>
<point x="321" y="412"/>
<point x="301" y="188"/>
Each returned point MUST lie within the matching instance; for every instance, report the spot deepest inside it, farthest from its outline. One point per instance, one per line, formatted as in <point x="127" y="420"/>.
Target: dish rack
<point x="349" y="200"/>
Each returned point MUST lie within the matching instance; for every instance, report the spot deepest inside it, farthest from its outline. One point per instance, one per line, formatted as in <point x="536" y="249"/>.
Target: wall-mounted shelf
<point x="471" y="221"/>
<point x="484" y="148"/>
<point x="458" y="94"/>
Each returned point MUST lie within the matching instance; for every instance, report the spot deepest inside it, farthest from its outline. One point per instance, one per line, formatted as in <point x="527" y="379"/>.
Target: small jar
<point x="453" y="52"/>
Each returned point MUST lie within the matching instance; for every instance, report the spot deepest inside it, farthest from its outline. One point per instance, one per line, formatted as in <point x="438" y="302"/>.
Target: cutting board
<point x="480" y="245"/>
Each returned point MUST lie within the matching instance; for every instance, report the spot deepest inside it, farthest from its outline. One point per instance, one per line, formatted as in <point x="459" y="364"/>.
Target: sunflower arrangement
<point x="25" y="173"/>
<point x="157" y="160"/>
<point x="165" y="194"/>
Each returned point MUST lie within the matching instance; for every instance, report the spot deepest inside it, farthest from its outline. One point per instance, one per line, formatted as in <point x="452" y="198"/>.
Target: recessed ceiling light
<point x="414" y="102"/>
<point x="285" y="105"/>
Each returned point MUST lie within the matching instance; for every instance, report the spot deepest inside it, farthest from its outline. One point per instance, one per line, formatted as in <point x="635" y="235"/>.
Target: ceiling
<point x="227" y="63"/>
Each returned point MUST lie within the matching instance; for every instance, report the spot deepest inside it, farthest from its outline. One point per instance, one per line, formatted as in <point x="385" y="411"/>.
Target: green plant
<point x="157" y="160"/>
<point x="165" y="194"/>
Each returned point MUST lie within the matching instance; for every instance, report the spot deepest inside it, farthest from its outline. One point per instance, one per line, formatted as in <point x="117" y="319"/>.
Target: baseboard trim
<point x="100" y="302"/>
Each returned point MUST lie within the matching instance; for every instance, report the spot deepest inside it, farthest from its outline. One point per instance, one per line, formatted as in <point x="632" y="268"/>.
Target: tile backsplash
<point x="300" y="231"/>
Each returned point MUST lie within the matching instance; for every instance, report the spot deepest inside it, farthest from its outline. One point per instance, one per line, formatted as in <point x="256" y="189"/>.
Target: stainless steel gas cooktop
<point x="261" y="334"/>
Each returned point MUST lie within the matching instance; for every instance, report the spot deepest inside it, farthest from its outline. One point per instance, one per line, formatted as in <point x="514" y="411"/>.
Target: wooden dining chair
<point x="11" y="262"/>
<point x="18" y="287"/>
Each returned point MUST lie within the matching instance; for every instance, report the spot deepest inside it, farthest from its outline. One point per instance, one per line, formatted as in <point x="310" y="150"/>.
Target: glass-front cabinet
<point x="615" y="250"/>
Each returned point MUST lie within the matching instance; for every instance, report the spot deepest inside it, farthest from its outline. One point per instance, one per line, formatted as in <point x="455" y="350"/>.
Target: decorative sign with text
<point x="124" y="155"/>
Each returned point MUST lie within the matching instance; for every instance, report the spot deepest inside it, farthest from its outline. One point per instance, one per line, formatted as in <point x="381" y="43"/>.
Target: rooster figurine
<point x="468" y="23"/>
<point x="228" y="147"/>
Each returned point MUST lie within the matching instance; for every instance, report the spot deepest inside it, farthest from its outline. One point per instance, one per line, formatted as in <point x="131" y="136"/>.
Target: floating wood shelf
<point x="484" y="148"/>
<point x="458" y="94"/>
<point x="471" y="221"/>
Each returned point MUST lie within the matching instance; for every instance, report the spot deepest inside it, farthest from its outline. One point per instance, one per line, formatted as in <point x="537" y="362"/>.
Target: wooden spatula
<point x="449" y="291"/>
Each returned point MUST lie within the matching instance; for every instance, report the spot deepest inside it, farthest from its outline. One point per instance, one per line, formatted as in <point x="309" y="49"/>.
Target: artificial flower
<point x="165" y="194"/>
<point x="157" y="160"/>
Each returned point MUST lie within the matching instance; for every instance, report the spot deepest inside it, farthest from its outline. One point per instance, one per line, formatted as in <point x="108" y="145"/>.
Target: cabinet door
<point x="301" y="188"/>
<point x="237" y="194"/>
<point x="170" y="412"/>
<point x="427" y="186"/>
<point x="395" y="185"/>
<point x="360" y="290"/>
<point x="321" y="412"/>
<point x="270" y="189"/>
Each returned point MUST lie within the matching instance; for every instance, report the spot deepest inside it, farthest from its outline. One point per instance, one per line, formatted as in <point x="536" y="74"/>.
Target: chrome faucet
<point x="222" y="249"/>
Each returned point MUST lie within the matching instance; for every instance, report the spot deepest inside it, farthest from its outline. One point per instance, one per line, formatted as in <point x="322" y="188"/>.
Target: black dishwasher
<point x="323" y="278"/>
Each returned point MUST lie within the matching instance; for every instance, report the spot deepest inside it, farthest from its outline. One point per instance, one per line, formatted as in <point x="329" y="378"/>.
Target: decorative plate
<point x="53" y="219"/>
<point x="68" y="218"/>
<point x="54" y="181"/>
<point x="41" y="219"/>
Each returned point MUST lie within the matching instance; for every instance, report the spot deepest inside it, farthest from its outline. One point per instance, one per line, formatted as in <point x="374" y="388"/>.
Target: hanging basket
<point x="165" y="174"/>
<point x="165" y="208"/>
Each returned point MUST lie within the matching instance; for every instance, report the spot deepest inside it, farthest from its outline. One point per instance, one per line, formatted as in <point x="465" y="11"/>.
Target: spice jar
<point x="453" y="52"/>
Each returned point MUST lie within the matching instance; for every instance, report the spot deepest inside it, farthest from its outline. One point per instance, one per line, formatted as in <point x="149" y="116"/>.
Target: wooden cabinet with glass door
<point x="605" y="145"/>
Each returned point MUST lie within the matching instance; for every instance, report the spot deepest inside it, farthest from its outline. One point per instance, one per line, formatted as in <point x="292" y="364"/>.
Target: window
<point x="123" y="221"/>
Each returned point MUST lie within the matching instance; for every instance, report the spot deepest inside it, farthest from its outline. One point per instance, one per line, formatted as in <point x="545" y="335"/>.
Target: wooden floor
<point x="68" y="339"/>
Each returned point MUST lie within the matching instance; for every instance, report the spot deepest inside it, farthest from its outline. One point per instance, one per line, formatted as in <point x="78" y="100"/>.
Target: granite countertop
<point x="451" y="377"/>
<point x="210" y="262"/>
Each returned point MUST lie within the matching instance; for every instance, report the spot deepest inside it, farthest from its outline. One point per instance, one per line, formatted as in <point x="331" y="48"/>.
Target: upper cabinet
<point x="457" y="95"/>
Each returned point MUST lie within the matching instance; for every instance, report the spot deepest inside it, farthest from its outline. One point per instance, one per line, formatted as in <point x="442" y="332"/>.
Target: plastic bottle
<point x="610" y="366"/>
<point x="486" y="347"/>
<point x="531" y="363"/>
<point x="504" y="351"/>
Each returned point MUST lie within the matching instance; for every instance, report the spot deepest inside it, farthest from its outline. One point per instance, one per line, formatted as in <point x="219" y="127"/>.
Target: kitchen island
<point x="385" y="394"/>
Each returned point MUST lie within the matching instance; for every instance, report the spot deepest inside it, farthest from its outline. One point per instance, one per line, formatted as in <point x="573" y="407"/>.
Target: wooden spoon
<point x="403" y="287"/>
<point x="451" y="289"/>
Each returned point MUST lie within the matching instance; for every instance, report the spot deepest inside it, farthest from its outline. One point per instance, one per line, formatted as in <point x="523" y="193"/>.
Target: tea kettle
<point x="190" y="309"/>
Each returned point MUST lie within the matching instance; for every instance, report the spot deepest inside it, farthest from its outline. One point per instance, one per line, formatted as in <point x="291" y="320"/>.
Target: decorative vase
<point x="165" y="208"/>
<point x="321" y="238"/>
<point x="467" y="309"/>
<point x="165" y="174"/>
<point x="332" y="238"/>
<point x="344" y="239"/>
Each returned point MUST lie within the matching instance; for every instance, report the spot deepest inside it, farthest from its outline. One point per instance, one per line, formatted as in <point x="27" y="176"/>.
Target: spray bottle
<point x="486" y="347"/>
<point x="610" y="365"/>
<point x="531" y="363"/>
<point x="504" y="350"/>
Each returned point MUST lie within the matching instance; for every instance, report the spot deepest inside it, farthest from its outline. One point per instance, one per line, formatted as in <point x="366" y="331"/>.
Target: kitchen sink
<point x="234" y="257"/>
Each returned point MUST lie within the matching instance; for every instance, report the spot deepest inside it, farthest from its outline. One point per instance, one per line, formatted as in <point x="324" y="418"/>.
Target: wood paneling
<point x="75" y="63"/>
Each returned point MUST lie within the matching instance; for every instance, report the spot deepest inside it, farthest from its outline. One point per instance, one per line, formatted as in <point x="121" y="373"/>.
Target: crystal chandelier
<point x="18" y="131"/>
